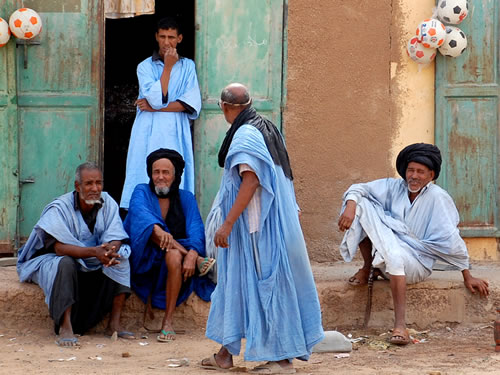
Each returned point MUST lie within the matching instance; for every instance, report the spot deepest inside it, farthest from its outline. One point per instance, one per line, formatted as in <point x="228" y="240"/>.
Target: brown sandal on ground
<point x="211" y="364"/>
<point x="400" y="337"/>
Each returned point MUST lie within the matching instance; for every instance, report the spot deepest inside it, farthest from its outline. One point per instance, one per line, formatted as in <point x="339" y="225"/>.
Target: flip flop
<point x="400" y="337"/>
<point x="360" y="278"/>
<point x="208" y="264"/>
<point x="212" y="364"/>
<point x="165" y="334"/>
<point x="272" y="368"/>
<point x="68" y="342"/>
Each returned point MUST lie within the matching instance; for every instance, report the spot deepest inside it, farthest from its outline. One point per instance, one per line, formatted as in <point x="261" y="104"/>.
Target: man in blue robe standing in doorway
<point x="169" y="97"/>
<point x="265" y="289"/>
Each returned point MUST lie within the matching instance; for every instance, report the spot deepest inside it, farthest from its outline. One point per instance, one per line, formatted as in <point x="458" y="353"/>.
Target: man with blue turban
<point x="402" y="227"/>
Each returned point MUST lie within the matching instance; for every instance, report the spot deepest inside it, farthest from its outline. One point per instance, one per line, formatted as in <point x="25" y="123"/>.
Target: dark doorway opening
<point x="128" y="42"/>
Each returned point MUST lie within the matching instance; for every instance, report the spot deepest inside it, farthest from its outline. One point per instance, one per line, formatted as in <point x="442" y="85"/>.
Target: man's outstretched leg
<point x="114" y="320"/>
<point x="173" y="259"/>
<point x="398" y="288"/>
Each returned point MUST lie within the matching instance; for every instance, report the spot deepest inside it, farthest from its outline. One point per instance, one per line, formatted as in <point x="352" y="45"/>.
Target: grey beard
<point x="162" y="190"/>
<point x="91" y="202"/>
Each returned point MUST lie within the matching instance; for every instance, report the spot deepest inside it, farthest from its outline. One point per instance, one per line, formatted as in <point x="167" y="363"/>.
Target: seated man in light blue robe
<point x="77" y="254"/>
<point x="169" y="97"/>
<point x="402" y="227"/>
<point x="265" y="289"/>
<point x="168" y="240"/>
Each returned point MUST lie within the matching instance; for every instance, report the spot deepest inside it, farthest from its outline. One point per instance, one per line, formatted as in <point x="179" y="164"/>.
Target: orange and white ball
<point x="419" y="53"/>
<point x="4" y="32"/>
<point x="25" y="23"/>
<point x="431" y="32"/>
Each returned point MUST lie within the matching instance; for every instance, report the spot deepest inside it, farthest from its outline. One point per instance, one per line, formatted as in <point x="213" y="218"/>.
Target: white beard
<point x="91" y="202"/>
<point x="162" y="190"/>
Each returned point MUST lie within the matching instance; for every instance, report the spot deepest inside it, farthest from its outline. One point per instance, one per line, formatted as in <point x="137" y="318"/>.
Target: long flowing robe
<point x="149" y="271"/>
<point x="154" y="130"/>
<point x="60" y="220"/>
<point x="279" y="315"/>
<point x="426" y="229"/>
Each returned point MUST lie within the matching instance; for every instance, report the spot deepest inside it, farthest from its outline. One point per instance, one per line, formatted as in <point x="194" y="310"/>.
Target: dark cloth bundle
<point x="272" y="137"/>
<point x="423" y="153"/>
<point x="175" y="219"/>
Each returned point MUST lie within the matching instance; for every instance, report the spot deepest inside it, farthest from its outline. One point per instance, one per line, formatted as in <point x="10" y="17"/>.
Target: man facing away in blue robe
<point x="168" y="240"/>
<point x="169" y="97"/>
<point x="265" y="289"/>
<point x="402" y="227"/>
<point x="77" y="253"/>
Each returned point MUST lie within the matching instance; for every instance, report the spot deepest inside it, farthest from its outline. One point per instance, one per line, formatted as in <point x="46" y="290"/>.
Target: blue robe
<point x="425" y="230"/>
<point x="279" y="315"/>
<point x="149" y="271"/>
<point x="154" y="130"/>
<point x="60" y="220"/>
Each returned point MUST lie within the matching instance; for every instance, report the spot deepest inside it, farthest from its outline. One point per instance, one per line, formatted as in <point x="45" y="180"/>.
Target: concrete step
<point x="440" y="300"/>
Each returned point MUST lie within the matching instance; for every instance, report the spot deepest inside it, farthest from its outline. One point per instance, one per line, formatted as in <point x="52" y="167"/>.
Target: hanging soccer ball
<point x="419" y="53"/>
<point x="25" y="23"/>
<point x="4" y="32"/>
<point x="455" y="43"/>
<point x="431" y="33"/>
<point x="452" y="11"/>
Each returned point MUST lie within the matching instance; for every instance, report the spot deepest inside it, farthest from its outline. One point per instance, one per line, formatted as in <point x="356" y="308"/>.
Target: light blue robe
<point x="60" y="220"/>
<point x="279" y="315"/>
<point x="425" y="230"/>
<point x="154" y="130"/>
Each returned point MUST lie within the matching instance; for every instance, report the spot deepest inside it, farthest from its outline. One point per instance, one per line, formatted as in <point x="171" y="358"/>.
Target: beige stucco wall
<point x="354" y="99"/>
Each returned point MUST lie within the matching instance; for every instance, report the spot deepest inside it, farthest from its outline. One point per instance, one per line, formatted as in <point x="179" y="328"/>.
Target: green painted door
<point x="55" y="116"/>
<point x="467" y="122"/>
<point x="236" y="41"/>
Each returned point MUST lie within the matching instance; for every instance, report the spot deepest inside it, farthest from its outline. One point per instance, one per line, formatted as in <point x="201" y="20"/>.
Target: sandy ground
<point x="458" y="350"/>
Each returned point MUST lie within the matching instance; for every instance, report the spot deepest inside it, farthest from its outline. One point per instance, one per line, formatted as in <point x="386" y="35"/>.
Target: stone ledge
<point x="440" y="300"/>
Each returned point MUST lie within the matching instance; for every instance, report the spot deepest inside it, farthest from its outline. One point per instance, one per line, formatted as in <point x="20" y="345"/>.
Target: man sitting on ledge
<point x="76" y="254"/>
<point x="402" y="227"/>
<point x="167" y="239"/>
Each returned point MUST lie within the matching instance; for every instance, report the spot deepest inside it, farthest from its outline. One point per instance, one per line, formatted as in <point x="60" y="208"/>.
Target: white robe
<point x="407" y="238"/>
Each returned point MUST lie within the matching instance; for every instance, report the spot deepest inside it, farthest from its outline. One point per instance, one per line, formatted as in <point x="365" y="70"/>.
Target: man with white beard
<point x="77" y="253"/>
<point x="167" y="239"/>
<point x="402" y="227"/>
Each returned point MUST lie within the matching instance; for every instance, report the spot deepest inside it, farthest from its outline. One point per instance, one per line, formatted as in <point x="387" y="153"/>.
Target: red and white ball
<point x="4" y="32"/>
<point x="455" y="43"/>
<point x="452" y="11"/>
<point x="25" y="23"/>
<point x="419" y="53"/>
<point x="431" y="33"/>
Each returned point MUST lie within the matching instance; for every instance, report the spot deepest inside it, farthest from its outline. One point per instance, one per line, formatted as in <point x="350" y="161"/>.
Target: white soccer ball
<point x="455" y="43"/>
<point x="452" y="11"/>
<point x="25" y="23"/>
<point x="431" y="33"/>
<point x="419" y="53"/>
<point x="4" y="32"/>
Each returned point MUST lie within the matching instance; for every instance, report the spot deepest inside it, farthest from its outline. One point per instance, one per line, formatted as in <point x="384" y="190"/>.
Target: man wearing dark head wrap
<point x="402" y="227"/>
<point x="167" y="239"/>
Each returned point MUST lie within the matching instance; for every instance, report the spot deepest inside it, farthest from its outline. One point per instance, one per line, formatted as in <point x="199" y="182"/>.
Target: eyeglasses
<point x="220" y="102"/>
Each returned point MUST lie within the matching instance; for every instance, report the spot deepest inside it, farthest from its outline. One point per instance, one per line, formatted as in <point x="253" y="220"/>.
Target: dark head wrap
<point x="271" y="134"/>
<point x="175" y="220"/>
<point x="423" y="153"/>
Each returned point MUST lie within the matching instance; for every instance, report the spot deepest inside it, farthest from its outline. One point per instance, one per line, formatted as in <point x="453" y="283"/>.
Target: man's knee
<point x="67" y="266"/>
<point x="173" y="258"/>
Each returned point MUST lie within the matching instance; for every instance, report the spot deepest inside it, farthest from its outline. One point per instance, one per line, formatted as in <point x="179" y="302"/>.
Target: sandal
<point x="205" y="266"/>
<point x="360" y="278"/>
